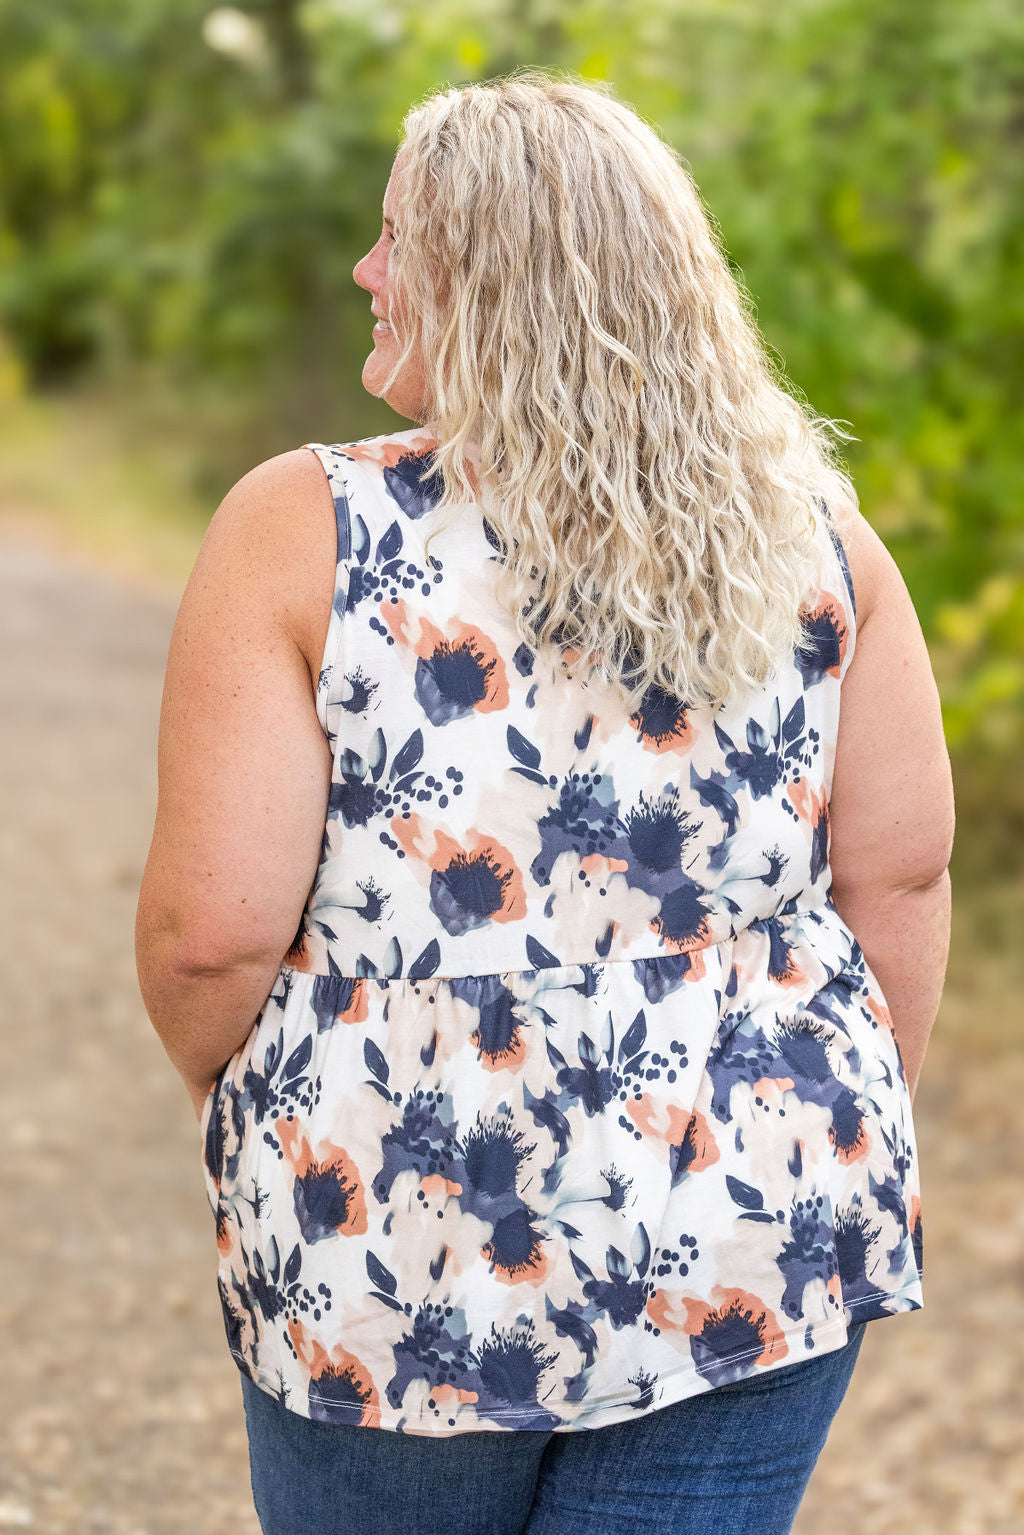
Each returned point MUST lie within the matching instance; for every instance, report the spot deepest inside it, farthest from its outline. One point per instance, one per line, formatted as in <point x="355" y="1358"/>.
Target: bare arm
<point x="891" y="808"/>
<point x="244" y="767"/>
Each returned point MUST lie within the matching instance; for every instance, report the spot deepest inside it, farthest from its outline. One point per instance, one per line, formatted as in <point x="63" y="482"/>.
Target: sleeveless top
<point x="574" y="1096"/>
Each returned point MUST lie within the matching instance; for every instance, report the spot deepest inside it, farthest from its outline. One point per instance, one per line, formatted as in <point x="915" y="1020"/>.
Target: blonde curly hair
<point x="597" y="381"/>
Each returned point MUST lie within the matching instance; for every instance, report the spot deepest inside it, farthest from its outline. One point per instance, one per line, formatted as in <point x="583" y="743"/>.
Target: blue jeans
<point x="732" y="1461"/>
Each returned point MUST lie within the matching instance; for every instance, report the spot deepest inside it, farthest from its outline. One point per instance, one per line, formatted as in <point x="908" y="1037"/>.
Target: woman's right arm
<point x="891" y="809"/>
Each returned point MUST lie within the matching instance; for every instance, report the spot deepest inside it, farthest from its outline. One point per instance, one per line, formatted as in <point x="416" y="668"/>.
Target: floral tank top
<point x="574" y="1096"/>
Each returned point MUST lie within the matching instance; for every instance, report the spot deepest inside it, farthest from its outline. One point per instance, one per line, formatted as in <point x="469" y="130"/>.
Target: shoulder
<point x="272" y="545"/>
<point x="273" y="501"/>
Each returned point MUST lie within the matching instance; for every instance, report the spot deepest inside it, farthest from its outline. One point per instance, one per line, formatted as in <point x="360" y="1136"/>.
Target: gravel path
<point x="120" y="1409"/>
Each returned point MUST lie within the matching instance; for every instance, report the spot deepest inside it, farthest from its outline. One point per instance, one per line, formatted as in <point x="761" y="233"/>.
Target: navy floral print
<point x="574" y="1095"/>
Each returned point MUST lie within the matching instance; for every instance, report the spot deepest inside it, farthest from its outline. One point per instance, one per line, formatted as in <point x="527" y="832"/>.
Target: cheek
<point x="395" y="298"/>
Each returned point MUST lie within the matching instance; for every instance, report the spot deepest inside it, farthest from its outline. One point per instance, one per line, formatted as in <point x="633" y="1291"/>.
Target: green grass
<point x="103" y="477"/>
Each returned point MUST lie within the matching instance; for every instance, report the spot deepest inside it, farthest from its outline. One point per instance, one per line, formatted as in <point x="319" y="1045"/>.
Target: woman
<point x="592" y="950"/>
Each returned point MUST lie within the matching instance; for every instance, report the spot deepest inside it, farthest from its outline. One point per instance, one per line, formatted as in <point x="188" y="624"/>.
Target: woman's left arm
<point x="244" y="767"/>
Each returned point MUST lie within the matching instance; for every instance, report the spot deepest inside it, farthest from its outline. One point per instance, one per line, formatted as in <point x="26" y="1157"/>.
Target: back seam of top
<point x="781" y="918"/>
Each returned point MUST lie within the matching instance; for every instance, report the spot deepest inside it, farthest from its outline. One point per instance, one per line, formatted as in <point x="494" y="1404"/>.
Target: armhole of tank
<point x="845" y="593"/>
<point x="329" y="680"/>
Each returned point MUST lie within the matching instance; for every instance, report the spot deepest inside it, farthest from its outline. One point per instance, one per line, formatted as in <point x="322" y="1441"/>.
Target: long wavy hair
<point x="597" y="382"/>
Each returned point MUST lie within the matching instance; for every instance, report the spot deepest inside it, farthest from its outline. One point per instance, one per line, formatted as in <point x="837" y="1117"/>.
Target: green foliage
<point x="186" y="189"/>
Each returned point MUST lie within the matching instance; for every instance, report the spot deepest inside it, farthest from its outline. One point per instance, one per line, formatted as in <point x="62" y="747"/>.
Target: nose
<point x="369" y="272"/>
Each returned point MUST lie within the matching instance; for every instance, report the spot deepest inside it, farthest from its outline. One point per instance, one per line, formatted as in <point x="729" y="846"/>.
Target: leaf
<point x="531" y="775"/>
<point x="273" y="1054"/>
<point x="634" y="1063"/>
<point x="392" y="962"/>
<point x="437" y="1264"/>
<point x="350" y="764"/>
<point x="580" y="1269"/>
<point x="618" y="1266"/>
<point x="299" y="1058"/>
<point x="725" y="741"/>
<point x="757" y="1215"/>
<point x="374" y="1058"/>
<point x="793" y="724"/>
<point x="743" y="1194"/>
<point x="409" y="755"/>
<point x="716" y="796"/>
<point x="555" y="1055"/>
<point x="390" y="543"/>
<point x="582" y="736"/>
<point x="758" y="738"/>
<point x="388" y="1300"/>
<point x="522" y="750"/>
<point x="540" y="958"/>
<point x="634" y="1037"/>
<point x="775" y="730"/>
<point x="641" y="1249"/>
<point x="569" y="1325"/>
<point x="378" y="754"/>
<point x="380" y="1276"/>
<point x="550" y="1116"/>
<point x="382" y="1090"/>
<point x="424" y="965"/>
<point x="294" y="1264"/>
<point x="360" y="541"/>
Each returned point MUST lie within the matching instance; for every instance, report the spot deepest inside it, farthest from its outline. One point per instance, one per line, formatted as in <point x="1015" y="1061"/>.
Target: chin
<point x="373" y="381"/>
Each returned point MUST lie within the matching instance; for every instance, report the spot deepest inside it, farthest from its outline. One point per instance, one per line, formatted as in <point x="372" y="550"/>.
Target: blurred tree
<point x="188" y="186"/>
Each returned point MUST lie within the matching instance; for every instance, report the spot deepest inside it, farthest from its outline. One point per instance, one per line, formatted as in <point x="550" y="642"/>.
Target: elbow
<point x="922" y="879"/>
<point x="904" y="862"/>
<point x="935" y="882"/>
<point x="191" y="960"/>
<point x="879" y="887"/>
<point x="886" y="907"/>
<point x="170" y="943"/>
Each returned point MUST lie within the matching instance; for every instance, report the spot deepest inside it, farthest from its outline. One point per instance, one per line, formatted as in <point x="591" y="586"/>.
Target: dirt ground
<point x="120" y="1408"/>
